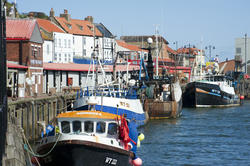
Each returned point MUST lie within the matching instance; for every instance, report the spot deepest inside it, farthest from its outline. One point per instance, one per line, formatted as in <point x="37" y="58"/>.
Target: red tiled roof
<point x="84" y="67"/>
<point x="193" y="51"/>
<point x="230" y="65"/>
<point x="20" y="29"/>
<point x="16" y="66"/>
<point x="129" y="46"/>
<point x="76" y="26"/>
<point x="48" y="26"/>
<point x="170" y="50"/>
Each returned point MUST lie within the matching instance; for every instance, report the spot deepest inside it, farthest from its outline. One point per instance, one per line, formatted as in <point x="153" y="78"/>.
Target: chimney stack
<point x="52" y="13"/>
<point x="65" y="15"/>
<point x="90" y="19"/>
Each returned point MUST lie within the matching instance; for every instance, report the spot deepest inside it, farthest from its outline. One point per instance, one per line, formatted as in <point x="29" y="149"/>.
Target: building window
<point x="238" y="50"/>
<point x="73" y="40"/>
<point x="84" y="41"/>
<point x="55" y="57"/>
<point x="69" y="58"/>
<point x="65" y="57"/>
<point x="48" y="49"/>
<point x="55" y="42"/>
<point x="59" y="43"/>
<point x="69" y="43"/>
<point x="69" y="26"/>
<point x="84" y="52"/>
<point x="34" y="51"/>
<point x="60" y="58"/>
<point x="65" y="43"/>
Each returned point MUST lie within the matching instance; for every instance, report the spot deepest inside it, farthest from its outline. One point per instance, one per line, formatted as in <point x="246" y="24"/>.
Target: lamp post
<point x="176" y="45"/>
<point x="176" y="48"/>
<point x="246" y="53"/>
<point x="150" y="66"/>
<point x="210" y="47"/>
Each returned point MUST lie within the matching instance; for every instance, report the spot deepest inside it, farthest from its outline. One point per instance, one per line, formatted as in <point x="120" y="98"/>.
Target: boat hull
<point x="131" y="107"/>
<point x="163" y="109"/>
<point x="83" y="153"/>
<point x="198" y="94"/>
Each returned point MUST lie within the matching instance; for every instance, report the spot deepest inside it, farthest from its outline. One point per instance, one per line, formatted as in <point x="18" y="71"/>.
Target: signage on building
<point x="35" y="62"/>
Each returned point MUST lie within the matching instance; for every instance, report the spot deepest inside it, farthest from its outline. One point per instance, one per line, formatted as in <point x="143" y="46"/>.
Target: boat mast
<point x="157" y="51"/>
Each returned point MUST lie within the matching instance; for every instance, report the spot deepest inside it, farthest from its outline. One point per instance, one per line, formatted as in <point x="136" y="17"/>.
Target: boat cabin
<point x="84" y="122"/>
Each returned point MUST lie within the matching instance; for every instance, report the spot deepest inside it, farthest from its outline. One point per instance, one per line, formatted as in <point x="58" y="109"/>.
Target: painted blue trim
<point x="225" y="97"/>
<point x="215" y="94"/>
<point x="140" y="118"/>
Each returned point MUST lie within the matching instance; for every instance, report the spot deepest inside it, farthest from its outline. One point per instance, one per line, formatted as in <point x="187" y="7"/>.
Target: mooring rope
<point x="28" y="148"/>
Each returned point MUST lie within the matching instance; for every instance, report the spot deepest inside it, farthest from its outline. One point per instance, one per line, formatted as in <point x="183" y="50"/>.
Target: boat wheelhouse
<point x="211" y="91"/>
<point x="84" y="138"/>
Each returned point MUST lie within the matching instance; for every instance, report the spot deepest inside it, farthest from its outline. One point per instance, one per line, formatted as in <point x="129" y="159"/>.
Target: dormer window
<point x="69" y="26"/>
<point x="81" y="27"/>
<point x="91" y="28"/>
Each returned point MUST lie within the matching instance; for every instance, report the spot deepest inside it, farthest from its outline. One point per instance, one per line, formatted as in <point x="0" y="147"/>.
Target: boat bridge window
<point x="65" y="127"/>
<point x="100" y="127"/>
<point x="88" y="126"/>
<point x="77" y="126"/>
<point x="112" y="129"/>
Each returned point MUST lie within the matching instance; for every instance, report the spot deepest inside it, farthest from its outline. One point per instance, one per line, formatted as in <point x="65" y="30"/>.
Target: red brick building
<point x="24" y="47"/>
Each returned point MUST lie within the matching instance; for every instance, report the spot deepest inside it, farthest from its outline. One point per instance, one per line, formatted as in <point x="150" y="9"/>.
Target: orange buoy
<point x="242" y="97"/>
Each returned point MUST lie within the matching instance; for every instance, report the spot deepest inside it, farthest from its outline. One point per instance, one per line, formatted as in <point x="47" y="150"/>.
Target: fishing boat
<point x="87" y="138"/>
<point x="211" y="91"/>
<point x="110" y="97"/>
<point x="113" y="101"/>
<point x="162" y="95"/>
<point x="166" y="101"/>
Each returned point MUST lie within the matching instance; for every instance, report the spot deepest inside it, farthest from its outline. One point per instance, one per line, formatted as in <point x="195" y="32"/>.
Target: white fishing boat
<point x="110" y="97"/>
<point x="86" y="138"/>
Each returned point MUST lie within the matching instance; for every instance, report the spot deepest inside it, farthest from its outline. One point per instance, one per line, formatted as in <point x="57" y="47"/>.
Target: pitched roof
<point x="48" y="26"/>
<point x="21" y="29"/>
<point x="78" y="27"/>
<point x="193" y="51"/>
<point x="229" y="65"/>
<point x="105" y="32"/>
<point x="129" y="46"/>
<point x="170" y="50"/>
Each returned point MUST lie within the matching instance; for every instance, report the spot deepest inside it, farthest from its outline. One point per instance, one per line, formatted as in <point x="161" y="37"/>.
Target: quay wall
<point x="23" y="115"/>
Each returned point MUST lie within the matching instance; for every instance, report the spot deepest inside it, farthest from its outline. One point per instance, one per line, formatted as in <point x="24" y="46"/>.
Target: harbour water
<point x="204" y="136"/>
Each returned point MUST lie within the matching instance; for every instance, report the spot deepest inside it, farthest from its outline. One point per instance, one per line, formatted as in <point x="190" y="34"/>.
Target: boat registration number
<point x="110" y="161"/>
<point x="124" y="104"/>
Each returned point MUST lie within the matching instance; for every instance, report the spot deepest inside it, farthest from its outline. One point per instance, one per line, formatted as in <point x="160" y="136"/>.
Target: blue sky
<point x="214" y="22"/>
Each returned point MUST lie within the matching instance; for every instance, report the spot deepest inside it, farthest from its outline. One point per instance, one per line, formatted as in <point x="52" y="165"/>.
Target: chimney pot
<point x="90" y="19"/>
<point x="52" y="13"/>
